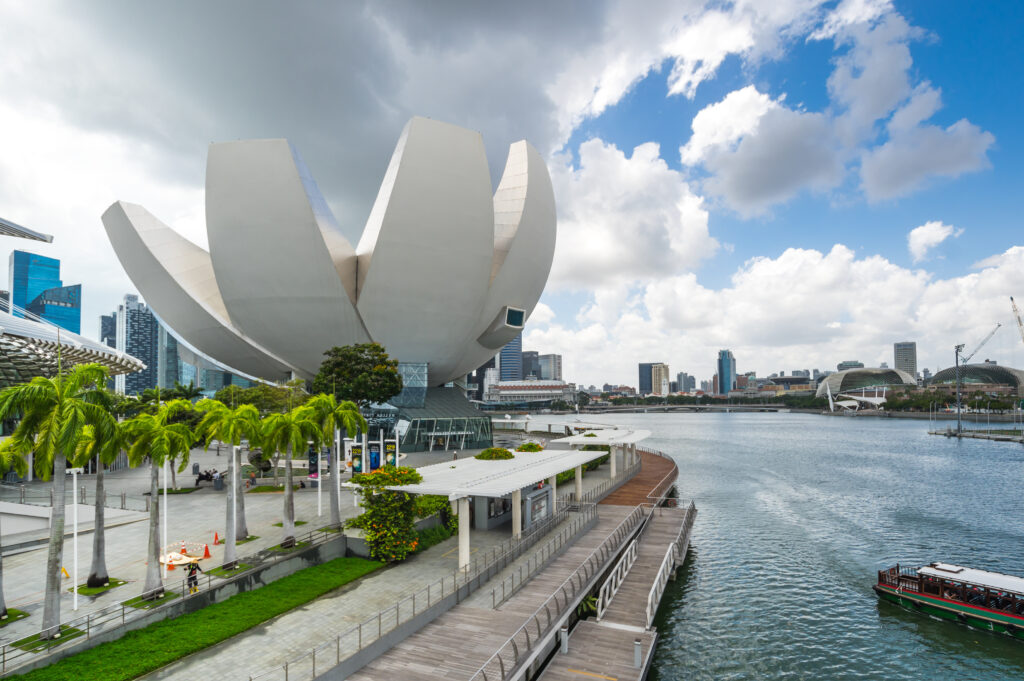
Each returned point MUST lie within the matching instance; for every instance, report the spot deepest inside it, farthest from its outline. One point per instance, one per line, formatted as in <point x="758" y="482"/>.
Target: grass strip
<point x="269" y="489"/>
<point x="297" y="523"/>
<point x="34" y="644"/>
<point x="93" y="590"/>
<point x="141" y="651"/>
<point x="333" y="530"/>
<point x="13" y="615"/>
<point x="221" y="572"/>
<point x="143" y="604"/>
<point x="251" y="537"/>
<point x="298" y="545"/>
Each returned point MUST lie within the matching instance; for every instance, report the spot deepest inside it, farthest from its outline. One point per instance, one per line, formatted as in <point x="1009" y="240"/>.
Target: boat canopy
<point x="992" y="580"/>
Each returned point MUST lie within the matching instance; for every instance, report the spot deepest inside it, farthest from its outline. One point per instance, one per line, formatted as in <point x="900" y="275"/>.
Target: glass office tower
<point x="36" y="286"/>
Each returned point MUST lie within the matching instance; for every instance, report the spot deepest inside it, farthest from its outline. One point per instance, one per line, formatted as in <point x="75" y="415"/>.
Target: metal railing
<point x="36" y="496"/>
<point x="334" y="651"/>
<point x="675" y="554"/>
<point x="508" y="659"/>
<point x="117" y="615"/>
<point x="614" y="581"/>
<point x="511" y="584"/>
<point x="660" y="492"/>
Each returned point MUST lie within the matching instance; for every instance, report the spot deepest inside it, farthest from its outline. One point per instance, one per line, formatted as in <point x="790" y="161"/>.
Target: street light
<point x="74" y="495"/>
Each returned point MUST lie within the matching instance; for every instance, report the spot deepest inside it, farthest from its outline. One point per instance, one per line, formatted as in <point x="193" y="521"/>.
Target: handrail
<point x="117" y="615"/>
<point x="568" y="590"/>
<point x="370" y="630"/>
<point x="675" y="554"/>
<point x="618" y="575"/>
<point x="674" y="471"/>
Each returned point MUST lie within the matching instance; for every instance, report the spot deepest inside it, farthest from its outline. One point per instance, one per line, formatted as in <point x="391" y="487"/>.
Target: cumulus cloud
<point x="803" y="309"/>
<point x="625" y="218"/>
<point x="758" y="152"/>
<point x="922" y="239"/>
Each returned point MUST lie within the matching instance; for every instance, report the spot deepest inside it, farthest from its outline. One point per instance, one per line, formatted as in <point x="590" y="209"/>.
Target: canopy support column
<point x="553" y="481"/>
<point x="579" y="483"/>
<point x="517" y="514"/>
<point x="613" y="452"/>
<point x="464" y="533"/>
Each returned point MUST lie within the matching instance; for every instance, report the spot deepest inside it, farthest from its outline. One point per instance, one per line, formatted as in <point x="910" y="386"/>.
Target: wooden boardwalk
<point x="459" y="642"/>
<point x="605" y="649"/>
<point x="650" y="480"/>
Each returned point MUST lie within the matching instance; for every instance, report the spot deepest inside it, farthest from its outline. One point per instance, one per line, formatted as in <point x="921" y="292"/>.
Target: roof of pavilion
<point x="478" y="478"/>
<point x="608" y="436"/>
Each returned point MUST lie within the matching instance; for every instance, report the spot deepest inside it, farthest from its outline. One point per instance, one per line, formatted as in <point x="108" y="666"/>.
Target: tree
<point x="331" y="416"/>
<point x="288" y="433"/>
<point x="582" y="398"/>
<point x="104" y="451"/>
<point x="360" y="373"/>
<point x="54" y="412"/>
<point x="156" y="437"/>
<point x="186" y="392"/>
<point x="232" y="426"/>
<point x="388" y="521"/>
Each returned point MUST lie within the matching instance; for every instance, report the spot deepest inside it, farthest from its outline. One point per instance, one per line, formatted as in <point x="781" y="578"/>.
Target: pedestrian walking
<point x="193" y="570"/>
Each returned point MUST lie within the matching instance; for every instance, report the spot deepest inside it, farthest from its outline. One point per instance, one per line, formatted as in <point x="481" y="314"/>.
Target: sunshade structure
<point x="8" y="228"/>
<point x="465" y="478"/>
<point x="29" y="348"/>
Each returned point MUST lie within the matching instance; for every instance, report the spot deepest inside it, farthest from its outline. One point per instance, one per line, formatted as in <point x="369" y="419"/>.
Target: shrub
<point x="387" y="522"/>
<point x="529" y="447"/>
<point x="426" y="505"/>
<point x="495" y="454"/>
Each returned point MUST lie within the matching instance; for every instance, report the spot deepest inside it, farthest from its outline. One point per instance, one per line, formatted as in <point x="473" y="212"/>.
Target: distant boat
<point x="979" y="598"/>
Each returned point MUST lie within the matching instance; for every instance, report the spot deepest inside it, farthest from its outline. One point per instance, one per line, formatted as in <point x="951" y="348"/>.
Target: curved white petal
<point x="286" y="273"/>
<point x="177" y="279"/>
<point x="426" y="252"/>
<point x="524" y="246"/>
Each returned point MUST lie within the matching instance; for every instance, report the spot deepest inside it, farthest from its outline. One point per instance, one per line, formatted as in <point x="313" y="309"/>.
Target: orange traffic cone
<point x="206" y="550"/>
<point x="170" y="566"/>
<point x="216" y="539"/>
<point x="183" y="551"/>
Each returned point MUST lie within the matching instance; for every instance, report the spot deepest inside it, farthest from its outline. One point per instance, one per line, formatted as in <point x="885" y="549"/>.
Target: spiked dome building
<point x="444" y="275"/>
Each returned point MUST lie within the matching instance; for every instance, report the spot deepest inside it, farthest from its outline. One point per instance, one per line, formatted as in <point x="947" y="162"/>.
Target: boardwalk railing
<point x="517" y="650"/>
<point x="615" y="579"/>
<point x="360" y="636"/>
<point x="118" y="615"/>
<point x="675" y="554"/>
<point x="659" y="494"/>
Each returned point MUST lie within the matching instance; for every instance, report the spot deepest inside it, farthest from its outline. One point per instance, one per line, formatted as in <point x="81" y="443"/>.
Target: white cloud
<point x="625" y="219"/>
<point x="910" y="158"/>
<point x="851" y="13"/>
<point x="542" y="315"/>
<point x="922" y="239"/>
<point x="801" y="310"/>
<point x="723" y="123"/>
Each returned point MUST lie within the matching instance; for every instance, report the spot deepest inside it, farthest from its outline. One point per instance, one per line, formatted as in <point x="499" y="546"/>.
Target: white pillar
<point x="74" y="489"/>
<point x="553" y="481"/>
<point x="613" y="450"/>
<point x="163" y="515"/>
<point x="517" y="514"/>
<point x="579" y="483"/>
<point x="464" y="533"/>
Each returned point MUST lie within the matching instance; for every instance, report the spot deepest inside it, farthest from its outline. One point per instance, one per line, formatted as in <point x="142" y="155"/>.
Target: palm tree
<point x="287" y="433"/>
<point x="54" y="412"/>
<point x="223" y="423"/>
<point x="156" y="437"/>
<point x="331" y="415"/>
<point x="104" y="451"/>
<point x="186" y="392"/>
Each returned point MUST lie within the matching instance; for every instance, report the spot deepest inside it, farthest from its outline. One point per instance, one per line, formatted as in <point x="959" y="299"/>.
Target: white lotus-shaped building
<point x="444" y="275"/>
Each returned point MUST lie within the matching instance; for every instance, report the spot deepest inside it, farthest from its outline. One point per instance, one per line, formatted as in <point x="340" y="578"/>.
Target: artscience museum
<point x="445" y="273"/>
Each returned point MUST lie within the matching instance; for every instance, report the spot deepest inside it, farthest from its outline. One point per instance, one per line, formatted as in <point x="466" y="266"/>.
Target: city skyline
<point x="875" y="119"/>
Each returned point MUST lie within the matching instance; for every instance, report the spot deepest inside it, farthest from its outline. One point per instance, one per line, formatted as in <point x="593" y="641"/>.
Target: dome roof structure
<point x="444" y="275"/>
<point x="985" y="373"/>
<point x="856" y="379"/>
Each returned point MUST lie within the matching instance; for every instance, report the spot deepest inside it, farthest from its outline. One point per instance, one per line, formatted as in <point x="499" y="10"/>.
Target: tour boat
<point x="981" y="599"/>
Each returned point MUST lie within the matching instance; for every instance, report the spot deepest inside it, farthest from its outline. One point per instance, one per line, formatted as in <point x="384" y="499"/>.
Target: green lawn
<point x="298" y="545"/>
<point x="269" y="489"/>
<point x="251" y="537"/>
<point x="34" y="644"/>
<point x="297" y="523"/>
<point x="221" y="572"/>
<point x="93" y="590"/>
<point x="142" y="651"/>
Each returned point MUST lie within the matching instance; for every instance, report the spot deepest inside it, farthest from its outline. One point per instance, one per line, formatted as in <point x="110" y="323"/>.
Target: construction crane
<point x="1016" y="313"/>
<point x="963" y="361"/>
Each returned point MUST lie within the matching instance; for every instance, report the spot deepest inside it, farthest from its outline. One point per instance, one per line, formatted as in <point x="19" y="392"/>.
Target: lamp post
<point x="319" y="504"/>
<point x="74" y="542"/>
<point x="234" y="488"/>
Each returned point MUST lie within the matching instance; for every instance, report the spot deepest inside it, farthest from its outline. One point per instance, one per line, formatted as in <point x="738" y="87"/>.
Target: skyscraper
<point x="108" y="329"/>
<point x="659" y="378"/>
<point x="551" y="367"/>
<point x="138" y="334"/>
<point x="905" y="357"/>
<point x="35" y="286"/>
<point x="644" y="386"/>
<point x="510" y="360"/>
<point x="726" y="372"/>
<point x="849" y="364"/>
<point x="531" y="364"/>
<point x="687" y="383"/>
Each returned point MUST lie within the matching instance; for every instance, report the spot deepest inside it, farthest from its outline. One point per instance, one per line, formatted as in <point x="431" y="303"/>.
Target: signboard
<point x="355" y="457"/>
<point x="538" y="508"/>
<point x="314" y="461"/>
<point x="389" y="454"/>
<point x="374" y="456"/>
